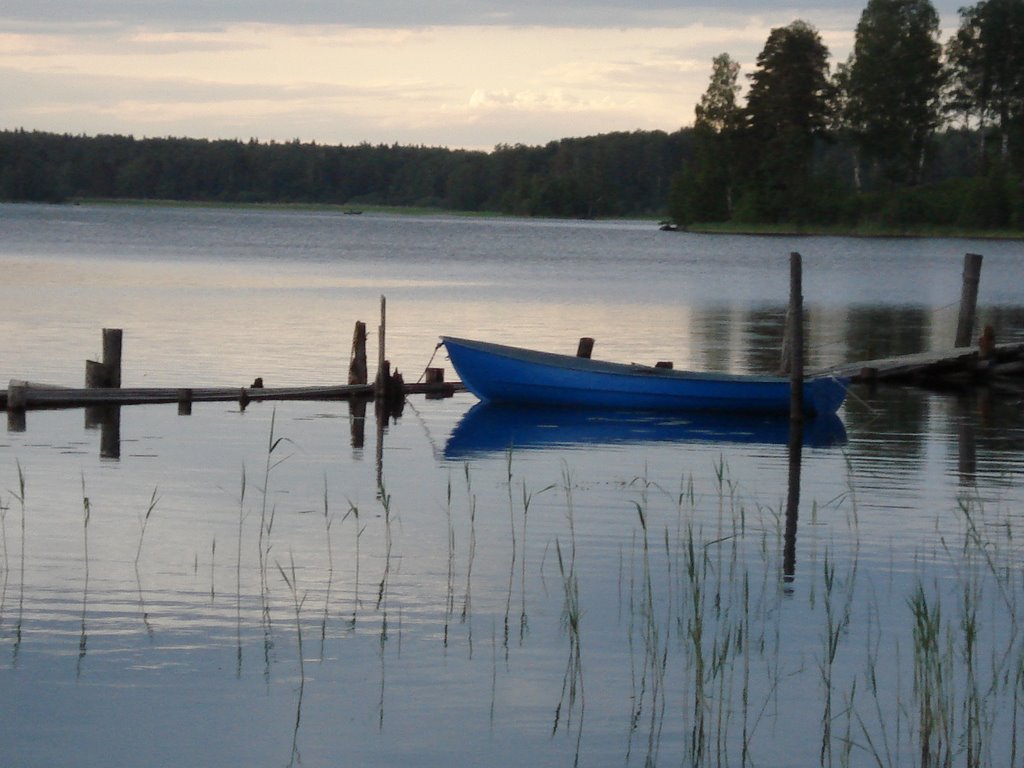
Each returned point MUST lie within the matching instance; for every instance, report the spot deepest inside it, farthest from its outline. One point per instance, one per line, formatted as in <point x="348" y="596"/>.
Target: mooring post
<point x="796" y="339"/>
<point x="357" y="362"/>
<point x="383" y="372"/>
<point x="16" y="395"/>
<point x="796" y="413"/>
<point x="112" y="356"/>
<point x="95" y="375"/>
<point x="968" y="299"/>
<point x="585" y="348"/>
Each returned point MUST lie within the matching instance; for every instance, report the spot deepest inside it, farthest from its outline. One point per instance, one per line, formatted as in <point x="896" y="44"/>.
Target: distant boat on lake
<point x="503" y="374"/>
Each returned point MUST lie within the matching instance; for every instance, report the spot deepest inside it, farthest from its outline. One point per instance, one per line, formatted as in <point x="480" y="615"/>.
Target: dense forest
<point x="623" y="174"/>
<point x="909" y="132"/>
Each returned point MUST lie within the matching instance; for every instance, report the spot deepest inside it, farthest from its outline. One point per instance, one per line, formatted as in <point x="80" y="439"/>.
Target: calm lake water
<point x="296" y="584"/>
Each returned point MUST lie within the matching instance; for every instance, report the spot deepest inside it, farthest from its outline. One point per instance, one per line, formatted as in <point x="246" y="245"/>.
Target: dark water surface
<point x="297" y="584"/>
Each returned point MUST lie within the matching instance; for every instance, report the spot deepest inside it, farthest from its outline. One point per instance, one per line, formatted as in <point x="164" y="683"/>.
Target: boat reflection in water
<point x="491" y="427"/>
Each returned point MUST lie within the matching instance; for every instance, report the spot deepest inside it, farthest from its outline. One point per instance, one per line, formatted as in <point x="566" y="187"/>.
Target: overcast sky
<point x="455" y="73"/>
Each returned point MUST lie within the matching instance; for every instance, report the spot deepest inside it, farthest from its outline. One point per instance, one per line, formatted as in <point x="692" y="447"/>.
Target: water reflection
<point x="107" y="418"/>
<point x="488" y="428"/>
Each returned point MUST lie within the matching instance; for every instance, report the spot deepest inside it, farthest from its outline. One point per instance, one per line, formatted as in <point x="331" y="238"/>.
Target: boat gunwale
<point x="637" y="370"/>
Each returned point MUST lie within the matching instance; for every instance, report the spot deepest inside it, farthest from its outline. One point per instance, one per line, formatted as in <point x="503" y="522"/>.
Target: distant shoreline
<point x="714" y="228"/>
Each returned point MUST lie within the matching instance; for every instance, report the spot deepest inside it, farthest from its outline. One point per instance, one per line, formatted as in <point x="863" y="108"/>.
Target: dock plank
<point x="34" y="395"/>
<point x="934" y="366"/>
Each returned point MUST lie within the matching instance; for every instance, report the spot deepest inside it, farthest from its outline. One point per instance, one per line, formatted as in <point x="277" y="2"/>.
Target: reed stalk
<point x="297" y="602"/>
<point x="572" y="615"/>
<point x="328" y="520"/>
<point x="144" y="523"/>
<point x="353" y="512"/>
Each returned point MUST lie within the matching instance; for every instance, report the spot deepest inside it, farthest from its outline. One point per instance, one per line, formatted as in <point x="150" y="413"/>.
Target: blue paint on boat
<point x="504" y="374"/>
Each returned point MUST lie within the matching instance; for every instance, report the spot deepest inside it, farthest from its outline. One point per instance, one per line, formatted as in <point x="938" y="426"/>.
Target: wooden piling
<point x="112" y="356"/>
<point x="357" y="373"/>
<point x="795" y="326"/>
<point x="96" y="375"/>
<point x="968" y="299"/>
<point x="796" y="336"/>
<point x="17" y="392"/>
<point x="585" y="348"/>
<point x="382" y="374"/>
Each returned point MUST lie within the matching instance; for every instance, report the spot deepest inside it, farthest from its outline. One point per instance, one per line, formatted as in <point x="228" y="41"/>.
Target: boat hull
<point x="503" y="374"/>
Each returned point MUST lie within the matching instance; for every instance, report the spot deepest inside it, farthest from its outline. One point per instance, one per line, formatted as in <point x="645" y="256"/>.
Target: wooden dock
<point x="938" y="369"/>
<point x="103" y="384"/>
<point x="958" y="366"/>
<point x="30" y="396"/>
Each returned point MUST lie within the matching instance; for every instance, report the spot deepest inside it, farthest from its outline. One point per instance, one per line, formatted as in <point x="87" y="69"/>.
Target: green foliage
<point x="787" y="107"/>
<point x="893" y="84"/>
<point x="986" y="66"/>
<point x="618" y="174"/>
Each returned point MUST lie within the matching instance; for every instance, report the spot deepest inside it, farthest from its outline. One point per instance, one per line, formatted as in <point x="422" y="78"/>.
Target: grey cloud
<point x="403" y="13"/>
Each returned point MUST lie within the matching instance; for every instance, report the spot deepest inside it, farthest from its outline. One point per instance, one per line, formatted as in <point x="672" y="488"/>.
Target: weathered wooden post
<point x="434" y="377"/>
<point x="383" y="368"/>
<point x="796" y="338"/>
<point x="17" y="392"/>
<point x="796" y="413"/>
<point x="357" y="373"/>
<point x="585" y="348"/>
<point x="968" y="299"/>
<point x="95" y="375"/>
<point x="107" y="374"/>
<point x="112" y="356"/>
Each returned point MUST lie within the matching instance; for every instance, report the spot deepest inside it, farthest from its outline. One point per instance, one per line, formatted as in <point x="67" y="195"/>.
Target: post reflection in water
<point x="795" y="451"/>
<point x="108" y="419"/>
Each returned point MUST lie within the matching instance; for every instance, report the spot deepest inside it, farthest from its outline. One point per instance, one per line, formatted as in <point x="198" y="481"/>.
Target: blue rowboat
<point x="502" y="374"/>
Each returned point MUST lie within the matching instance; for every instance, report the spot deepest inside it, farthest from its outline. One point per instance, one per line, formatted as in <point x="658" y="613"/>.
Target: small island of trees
<point x="908" y="134"/>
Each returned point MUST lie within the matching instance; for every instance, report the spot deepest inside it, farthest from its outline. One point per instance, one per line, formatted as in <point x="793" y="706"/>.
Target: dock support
<point x="796" y="414"/>
<point x="112" y="356"/>
<point x="106" y="375"/>
<point x="357" y="363"/>
<point x="796" y="338"/>
<point x="16" y="395"/>
<point x="968" y="299"/>
<point x="585" y="348"/>
<point x="383" y="368"/>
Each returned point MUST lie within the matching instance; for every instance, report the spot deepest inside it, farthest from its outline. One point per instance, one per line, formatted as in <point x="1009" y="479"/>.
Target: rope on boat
<point x="861" y="401"/>
<point x="427" y="366"/>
